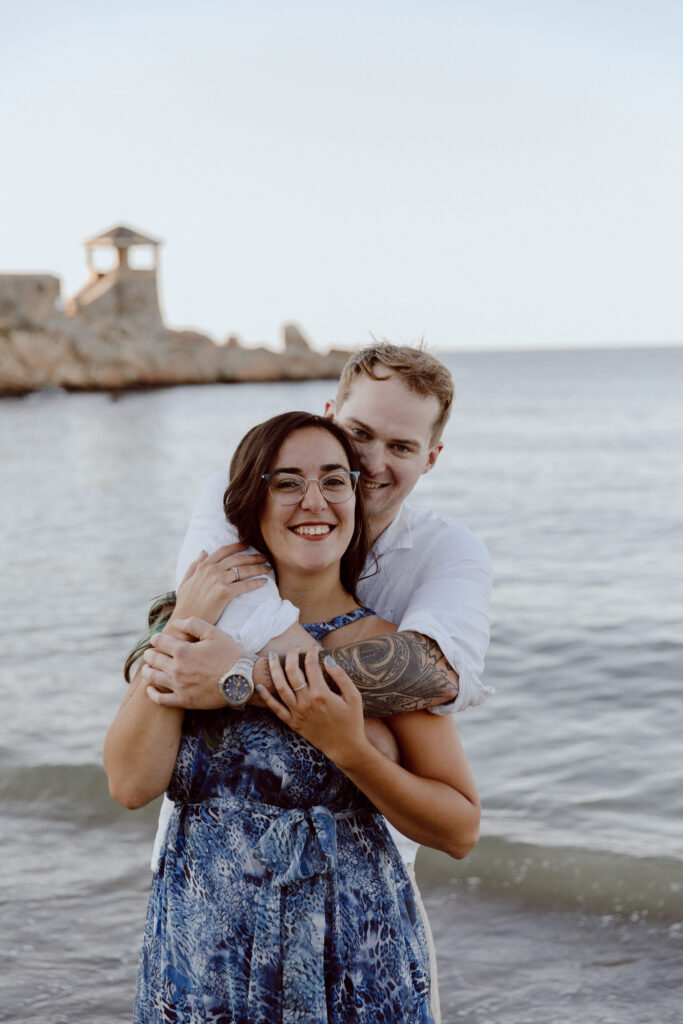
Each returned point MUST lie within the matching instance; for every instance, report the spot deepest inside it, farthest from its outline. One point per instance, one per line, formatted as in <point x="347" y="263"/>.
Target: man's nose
<point x="313" y="499"/>
<point x="372" y="458"/>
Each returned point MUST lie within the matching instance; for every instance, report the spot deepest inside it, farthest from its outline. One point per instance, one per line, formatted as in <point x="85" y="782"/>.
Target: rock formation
<point x="111" y="335"/>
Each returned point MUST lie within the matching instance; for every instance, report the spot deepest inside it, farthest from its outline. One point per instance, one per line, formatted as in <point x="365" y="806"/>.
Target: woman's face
<point x="312" y="534"/>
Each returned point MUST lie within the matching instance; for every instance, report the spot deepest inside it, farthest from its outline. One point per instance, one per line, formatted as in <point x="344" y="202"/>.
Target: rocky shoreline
<point x="111" y="336"/>
<point x="70" y="356"/>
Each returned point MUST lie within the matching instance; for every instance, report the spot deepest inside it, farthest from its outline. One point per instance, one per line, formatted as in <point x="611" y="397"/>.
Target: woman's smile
<point x="313" y="531"/>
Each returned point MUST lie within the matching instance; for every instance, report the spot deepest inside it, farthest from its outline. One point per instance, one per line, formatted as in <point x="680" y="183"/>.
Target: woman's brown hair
<point x="247" y="490"/>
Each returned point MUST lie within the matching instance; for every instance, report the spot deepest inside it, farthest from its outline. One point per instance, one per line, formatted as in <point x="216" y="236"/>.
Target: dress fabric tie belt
<point x="296" y="858"/>
<point x="301" y="847"/>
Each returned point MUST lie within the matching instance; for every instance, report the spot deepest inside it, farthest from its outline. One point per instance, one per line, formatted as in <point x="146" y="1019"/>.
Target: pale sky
<point x="483" y="173"/>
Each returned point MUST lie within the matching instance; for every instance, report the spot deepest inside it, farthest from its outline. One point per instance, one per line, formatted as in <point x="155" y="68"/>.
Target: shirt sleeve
<point x="450" y="603"/>
<point x="254" y="618"/>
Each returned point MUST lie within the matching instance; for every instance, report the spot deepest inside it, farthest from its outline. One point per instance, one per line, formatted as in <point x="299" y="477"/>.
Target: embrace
<point x="293" y="703"/>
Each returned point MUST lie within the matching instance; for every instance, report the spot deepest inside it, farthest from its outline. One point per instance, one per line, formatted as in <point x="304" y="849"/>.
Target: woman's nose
<point x="313" y="498"/>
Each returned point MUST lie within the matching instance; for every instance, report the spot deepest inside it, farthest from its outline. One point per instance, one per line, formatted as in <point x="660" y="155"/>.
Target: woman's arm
<point x="141" y="747"/>
<point x="142" y="743"/>
<point x="431" y="798"/>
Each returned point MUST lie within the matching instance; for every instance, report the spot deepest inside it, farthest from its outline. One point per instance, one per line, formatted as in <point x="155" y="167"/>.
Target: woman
<point x="280" y="895"/>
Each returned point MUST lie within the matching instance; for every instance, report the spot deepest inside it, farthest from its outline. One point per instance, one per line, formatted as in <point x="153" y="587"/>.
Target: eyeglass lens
<point x="289" y="489"/>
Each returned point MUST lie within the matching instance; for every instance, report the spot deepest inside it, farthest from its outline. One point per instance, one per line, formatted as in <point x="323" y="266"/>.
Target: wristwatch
<point x="237" y="685"/>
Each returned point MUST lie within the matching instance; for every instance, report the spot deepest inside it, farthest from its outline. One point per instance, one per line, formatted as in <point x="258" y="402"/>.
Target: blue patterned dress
<point x="280" y="896"/>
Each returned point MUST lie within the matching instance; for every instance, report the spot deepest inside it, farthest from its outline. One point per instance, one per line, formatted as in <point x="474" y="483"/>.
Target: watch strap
<point x="244" y="668"/>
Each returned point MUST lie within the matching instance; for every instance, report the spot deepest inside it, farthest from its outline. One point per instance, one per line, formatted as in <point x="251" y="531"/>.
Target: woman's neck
<point x="318" y="596"/>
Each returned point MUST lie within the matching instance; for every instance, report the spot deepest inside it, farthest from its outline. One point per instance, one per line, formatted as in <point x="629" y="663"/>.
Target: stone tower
<point x="123" y="293"/>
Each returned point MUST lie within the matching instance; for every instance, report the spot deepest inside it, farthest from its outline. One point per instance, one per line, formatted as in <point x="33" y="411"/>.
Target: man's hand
<point x="183" y="667"/>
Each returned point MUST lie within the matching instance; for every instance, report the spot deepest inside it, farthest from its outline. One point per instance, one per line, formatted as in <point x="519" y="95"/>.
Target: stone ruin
<point x="111" y="334"/>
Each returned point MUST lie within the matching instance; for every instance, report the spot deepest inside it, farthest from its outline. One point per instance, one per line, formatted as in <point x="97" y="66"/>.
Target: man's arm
<point x="398" y="672"/>
<point x="448" y="593"/>
<point x="395" y="673"/>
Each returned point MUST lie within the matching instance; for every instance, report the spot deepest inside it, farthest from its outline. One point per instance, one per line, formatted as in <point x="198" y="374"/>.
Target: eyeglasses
<point x="289" y="489"/>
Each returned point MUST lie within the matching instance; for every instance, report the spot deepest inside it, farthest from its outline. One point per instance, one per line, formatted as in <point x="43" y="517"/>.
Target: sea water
<point x="568" y="465"/>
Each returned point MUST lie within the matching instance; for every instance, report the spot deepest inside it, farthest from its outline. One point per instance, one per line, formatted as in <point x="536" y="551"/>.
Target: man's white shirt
<point x="426" y="573"/>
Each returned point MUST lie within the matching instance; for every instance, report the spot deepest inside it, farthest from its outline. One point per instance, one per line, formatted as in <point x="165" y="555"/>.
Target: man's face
<point x="391" y="428"/>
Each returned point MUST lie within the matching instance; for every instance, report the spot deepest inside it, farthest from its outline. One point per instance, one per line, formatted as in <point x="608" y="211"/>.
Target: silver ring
<point x="295" y="689"/>
<point x="237" y="573"/>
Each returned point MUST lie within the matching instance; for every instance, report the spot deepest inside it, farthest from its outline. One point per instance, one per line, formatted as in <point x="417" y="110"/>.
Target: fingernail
<point x="329" y="660"/>
<point x="272" y="655"/>
<point x="259" y="688"/>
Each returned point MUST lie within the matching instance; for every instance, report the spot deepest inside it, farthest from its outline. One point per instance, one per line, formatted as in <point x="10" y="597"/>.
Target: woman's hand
<point x="431" y="798"/>
<point x="213" y="581"/>
<point x="331" y="722"/>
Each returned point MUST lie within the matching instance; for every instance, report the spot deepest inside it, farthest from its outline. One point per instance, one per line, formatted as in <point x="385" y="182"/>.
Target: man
<point x="432" y="575"/>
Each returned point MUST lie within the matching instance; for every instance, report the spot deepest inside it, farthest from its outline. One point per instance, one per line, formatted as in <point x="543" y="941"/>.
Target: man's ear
<point x="330" y="408"/>
<point x="432" y="456"/>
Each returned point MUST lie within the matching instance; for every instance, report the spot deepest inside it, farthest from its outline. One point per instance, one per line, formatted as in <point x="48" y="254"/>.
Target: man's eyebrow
<point x="410" y="442"/>
<point x="359" y="423"/>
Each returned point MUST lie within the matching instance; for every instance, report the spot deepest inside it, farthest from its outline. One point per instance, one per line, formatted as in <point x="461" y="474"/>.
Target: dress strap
<point x="318" y="630"/>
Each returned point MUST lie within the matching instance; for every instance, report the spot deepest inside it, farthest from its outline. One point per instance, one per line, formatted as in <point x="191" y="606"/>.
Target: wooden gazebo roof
<point x="121" y="237"/>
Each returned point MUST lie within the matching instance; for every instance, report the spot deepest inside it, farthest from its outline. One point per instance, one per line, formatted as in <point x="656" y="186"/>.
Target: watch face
<point x="237" y="689"/>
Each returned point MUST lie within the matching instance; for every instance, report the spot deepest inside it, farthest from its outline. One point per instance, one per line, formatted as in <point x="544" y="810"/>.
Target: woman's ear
<point x="330" y="408"/>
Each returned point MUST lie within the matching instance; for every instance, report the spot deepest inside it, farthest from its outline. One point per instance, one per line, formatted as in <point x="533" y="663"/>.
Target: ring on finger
<point x="295" y="689"/>
<point x="237" y="573"/>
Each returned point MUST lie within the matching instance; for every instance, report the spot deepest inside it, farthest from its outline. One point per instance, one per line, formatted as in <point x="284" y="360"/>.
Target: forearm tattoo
<point x="397" y="672"/>
<point x="394" y="673"/>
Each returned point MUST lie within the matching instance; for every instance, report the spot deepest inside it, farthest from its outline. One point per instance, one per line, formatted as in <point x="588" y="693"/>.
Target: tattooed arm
<point x="398" y="672"/>
<point x="394" y="673"/>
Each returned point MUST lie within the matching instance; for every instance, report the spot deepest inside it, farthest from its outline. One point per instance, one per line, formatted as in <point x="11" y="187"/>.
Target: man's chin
<point x="379" y="501"/>
<point x="375" y="497"/>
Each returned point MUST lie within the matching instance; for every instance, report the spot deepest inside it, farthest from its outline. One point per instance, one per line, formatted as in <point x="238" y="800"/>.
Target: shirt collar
<point x="397" y="535"/>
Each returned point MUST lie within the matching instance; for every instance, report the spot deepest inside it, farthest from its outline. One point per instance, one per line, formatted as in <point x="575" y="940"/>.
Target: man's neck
<point x="376" y="527"/>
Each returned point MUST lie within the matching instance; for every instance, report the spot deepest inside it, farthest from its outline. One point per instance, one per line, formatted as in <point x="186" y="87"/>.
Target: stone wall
<point x="28" y="300"/>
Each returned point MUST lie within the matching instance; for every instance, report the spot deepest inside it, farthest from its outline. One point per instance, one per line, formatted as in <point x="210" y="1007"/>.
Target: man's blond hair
<point x="420" y="371"/>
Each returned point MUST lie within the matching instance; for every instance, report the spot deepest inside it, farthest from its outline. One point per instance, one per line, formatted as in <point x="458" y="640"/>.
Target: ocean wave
<point x="563" y="879"/>
<point x="61" y="792"/>
<point x="535" y="875"/>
